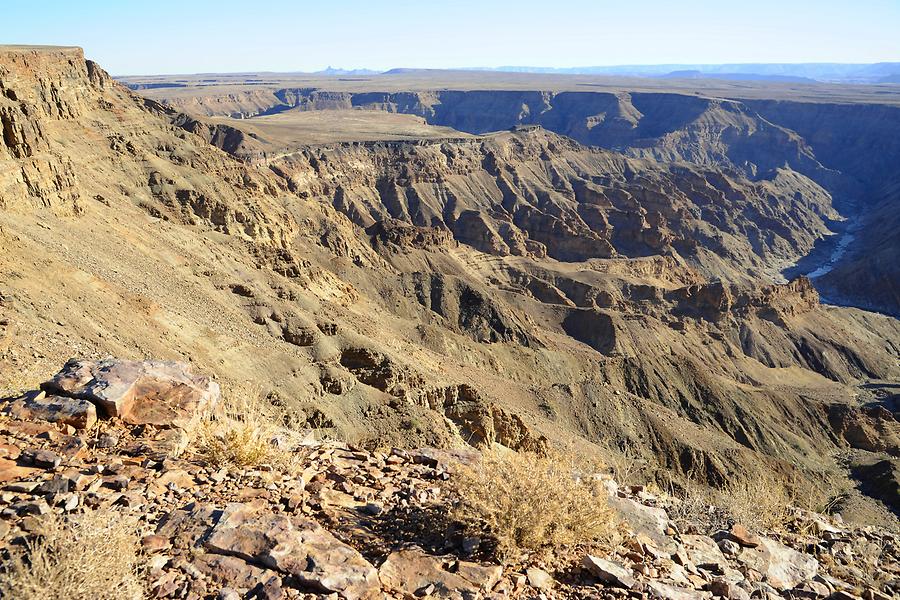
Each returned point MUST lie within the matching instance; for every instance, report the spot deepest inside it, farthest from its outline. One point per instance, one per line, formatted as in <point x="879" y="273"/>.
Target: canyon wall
<point x="849" y="149"/>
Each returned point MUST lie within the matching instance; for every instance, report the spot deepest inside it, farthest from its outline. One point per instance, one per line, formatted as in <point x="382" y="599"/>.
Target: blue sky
<point x="163" y="36"/>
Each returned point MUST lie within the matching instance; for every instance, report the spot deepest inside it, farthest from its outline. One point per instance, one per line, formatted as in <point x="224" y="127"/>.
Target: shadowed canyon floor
<point x="605" y="275"/>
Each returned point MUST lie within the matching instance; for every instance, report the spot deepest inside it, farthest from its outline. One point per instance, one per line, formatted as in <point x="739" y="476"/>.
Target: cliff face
<point x="36" y="89"/>
<point x="534" y="193"/>
<point x="517" y="285"/>
<point x="850" y="150"/>
<point x="70" y="134"/>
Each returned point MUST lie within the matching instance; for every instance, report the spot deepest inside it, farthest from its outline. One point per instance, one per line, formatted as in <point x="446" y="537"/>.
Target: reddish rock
<point x="140" y="392"/>
<point x="740" y="534"/>
<point x="297" y="547"/>
<point x="155" y="543"/>
<point x="37" y="406"/>
<point x="411" y="571"/>
<point x="10" y="470"/>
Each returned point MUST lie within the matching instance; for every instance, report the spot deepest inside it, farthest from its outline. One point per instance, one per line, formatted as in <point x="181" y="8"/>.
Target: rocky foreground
<point x="332" y="519"/>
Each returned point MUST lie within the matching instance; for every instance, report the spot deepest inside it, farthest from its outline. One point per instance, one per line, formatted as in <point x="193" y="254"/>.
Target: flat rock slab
<point x="12" y="471"/>
<point x="147" y="392"/>
<point x="702" y="551"/>
<point x="662" y="591"/>
<point x="231" y="571"/>
<point x="650" y="521"/>
<point x="782" y="567"/>
<point x="294" y="546"/>
<point x="38" y="406"/>
<point x="447" y="460"/>
<point x="416" y="573"/>
<point x="608" y="571"/>
<point x="187" y="527"/>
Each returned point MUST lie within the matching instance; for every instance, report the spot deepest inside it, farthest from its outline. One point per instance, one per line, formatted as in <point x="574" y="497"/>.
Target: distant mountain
<point x="735" y="76"/>
<point x="337" y="71"/>
<point x="827" y="72"/>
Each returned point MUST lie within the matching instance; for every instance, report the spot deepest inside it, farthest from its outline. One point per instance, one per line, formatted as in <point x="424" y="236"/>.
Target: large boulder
<point x="650" y="521"/>
<point x="147" y="392"/>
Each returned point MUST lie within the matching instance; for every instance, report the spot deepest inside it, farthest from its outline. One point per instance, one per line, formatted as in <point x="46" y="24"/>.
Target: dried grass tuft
<point x="90" y="556"/>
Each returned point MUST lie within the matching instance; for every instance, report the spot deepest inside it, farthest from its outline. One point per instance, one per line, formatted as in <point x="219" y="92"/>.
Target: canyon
<point x="846" y="143"/>
<point x="615" y="271"/>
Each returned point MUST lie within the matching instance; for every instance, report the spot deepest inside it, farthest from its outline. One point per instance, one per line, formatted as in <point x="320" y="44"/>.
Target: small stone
<point x="57" y="485"/>
<point x="470" y="544"/>
<point x="33" y="507"/>
<point x="107" y="440"/>
<point x="843" y="595"/>
<point x="729" y="547"/>
<point x="32" y="524"/>
<point x="811" y="590"/>
<point x="46" y="459"/>
<point x="372" y="509"/>
<point x="662" y="591"/>
<point x="116" y="482"/>
<point x="869" y="594"/>
<point x="727" y="589"/>
<point x="155" y="543"/>
<point x="71" y="502"/>
<point x="157" y="562"/>
<point x="22" y="487"/>
<point x="268" y="590"/>
<point x="540" y="579"/>
<point x="742" y="536"/>
<point x="9" y="451"/>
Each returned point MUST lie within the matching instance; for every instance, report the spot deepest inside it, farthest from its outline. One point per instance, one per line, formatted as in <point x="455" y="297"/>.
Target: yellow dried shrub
<point x="529" y="502"/>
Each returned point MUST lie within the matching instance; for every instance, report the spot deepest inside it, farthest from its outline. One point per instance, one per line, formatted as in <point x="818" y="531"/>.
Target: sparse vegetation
<point x="528" y="502"/>
<point x="623" y="463"/>
<point x="695" y="506"/>
<point x="90" y="556"/>
<point x="759" y="502"/>
<point x="244" y="433"/>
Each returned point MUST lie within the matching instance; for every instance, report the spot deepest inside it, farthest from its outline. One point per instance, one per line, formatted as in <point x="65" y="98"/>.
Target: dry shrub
<point x="245" y="433"/>
<point x="624" y="464"/>
<point x="90" y="556"/>
<point x="694" y="506"/>
<point x="529" y="502"/>
<point x="759" y="502"/>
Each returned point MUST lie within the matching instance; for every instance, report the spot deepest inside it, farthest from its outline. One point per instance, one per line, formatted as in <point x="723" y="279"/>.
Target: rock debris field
<point x="344" y="522"/>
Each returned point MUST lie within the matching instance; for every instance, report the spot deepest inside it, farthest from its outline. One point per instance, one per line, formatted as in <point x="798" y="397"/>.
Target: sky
<point x="134" y="37"/>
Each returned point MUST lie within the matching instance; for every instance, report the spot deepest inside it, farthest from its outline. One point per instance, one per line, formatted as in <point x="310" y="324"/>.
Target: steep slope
<point x="399" y="293"/>
<point x="535" y="193"/>
<point x="848" y="148"/>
